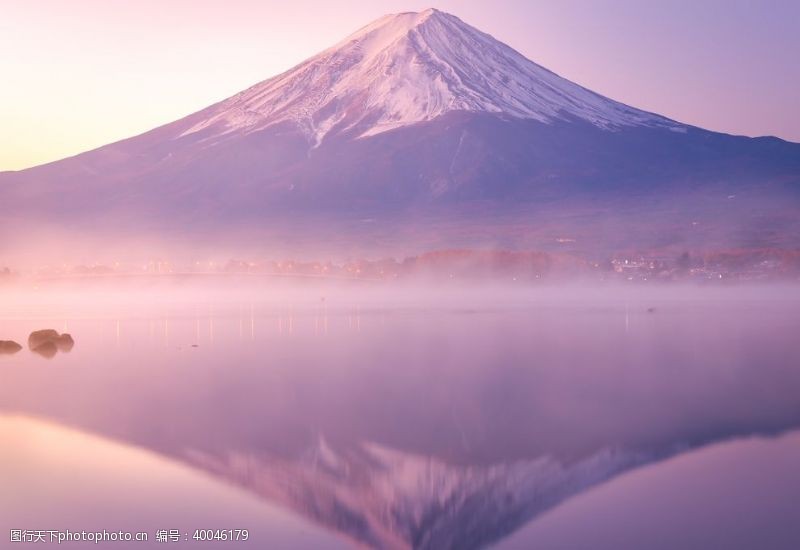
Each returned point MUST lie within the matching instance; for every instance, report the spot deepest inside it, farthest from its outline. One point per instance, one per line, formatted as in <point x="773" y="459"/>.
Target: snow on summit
<point x="408" y="68"/>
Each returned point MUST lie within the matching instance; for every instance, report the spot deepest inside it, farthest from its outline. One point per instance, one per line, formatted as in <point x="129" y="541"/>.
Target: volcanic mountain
<point x="418" y="131"/>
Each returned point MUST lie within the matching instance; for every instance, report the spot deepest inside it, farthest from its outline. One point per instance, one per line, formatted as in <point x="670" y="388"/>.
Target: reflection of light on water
<point x="627" y="318"/>
<point x="288" y="325"/>
<point x="200" y="326"/>
<point x="164" y="328"/>
<point x="210" y="324"/>
<point x="252" y="324"/>
<point x="321" y="318"/>
<point x="354" y="319"/>
<point x="71" y="476"/>
<point x="535" y="344"/>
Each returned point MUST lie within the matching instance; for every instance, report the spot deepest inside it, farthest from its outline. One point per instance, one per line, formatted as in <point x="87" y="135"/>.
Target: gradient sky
<point x="76" y="75"/>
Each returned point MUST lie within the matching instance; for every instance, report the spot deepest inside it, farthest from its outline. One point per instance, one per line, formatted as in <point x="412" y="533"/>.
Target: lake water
<point x="324" y="418"/>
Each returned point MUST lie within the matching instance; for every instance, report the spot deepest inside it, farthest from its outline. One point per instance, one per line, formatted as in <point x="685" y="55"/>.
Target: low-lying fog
<point x="105" y="297"/>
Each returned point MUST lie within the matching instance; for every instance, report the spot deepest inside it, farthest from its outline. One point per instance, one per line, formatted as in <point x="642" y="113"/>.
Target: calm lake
<point x="323" y="417"/>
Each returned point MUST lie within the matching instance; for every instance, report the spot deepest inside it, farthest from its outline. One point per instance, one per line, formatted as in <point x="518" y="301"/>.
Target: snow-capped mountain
<point x="384" y="498"/>
<point x="409" y="68"/>
<point x="419" y="131"/>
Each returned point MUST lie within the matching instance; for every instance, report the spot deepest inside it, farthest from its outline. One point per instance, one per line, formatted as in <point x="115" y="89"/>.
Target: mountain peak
<point x="408" y="68"/>
<point x="386" y="30"/>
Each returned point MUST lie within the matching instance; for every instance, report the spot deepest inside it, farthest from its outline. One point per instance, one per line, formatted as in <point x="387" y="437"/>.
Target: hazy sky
<point x="77" y="74"/>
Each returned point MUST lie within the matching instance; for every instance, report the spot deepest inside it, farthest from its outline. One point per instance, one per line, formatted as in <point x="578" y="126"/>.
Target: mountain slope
<point x="420" y="131"/>
<point x="414" y="67"/>
<point x="384" y="498"/>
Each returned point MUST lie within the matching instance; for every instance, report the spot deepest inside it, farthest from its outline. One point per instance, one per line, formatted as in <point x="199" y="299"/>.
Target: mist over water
<point x="383" y="414"/>
<point x="417" y="291"/>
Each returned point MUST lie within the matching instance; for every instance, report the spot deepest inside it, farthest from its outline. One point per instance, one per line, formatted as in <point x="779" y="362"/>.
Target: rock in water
<point x="59" y="342"/>
<point x="64" y="342"/>
<point x="9" y="347"/>
<point x="47" y="349"/>
<point x="39" y="337"/>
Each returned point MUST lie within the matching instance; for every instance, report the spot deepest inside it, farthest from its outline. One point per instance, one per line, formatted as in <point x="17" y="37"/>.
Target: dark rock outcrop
<point x="8" y="347"/>
<point x="38" y="337"/>
<point x="64" y="342"/>
<point x="48" y="341"/>
<point x="46" y="349"/>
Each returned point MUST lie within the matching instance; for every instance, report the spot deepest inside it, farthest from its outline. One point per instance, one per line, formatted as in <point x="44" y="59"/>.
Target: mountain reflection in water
<point x="425" y="426"/>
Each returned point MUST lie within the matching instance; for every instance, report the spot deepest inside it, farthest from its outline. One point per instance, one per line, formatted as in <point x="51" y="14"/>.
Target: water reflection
<point x="428" y="428"/>
<point x="737" y="495"/>
<point x="56" y="478"/>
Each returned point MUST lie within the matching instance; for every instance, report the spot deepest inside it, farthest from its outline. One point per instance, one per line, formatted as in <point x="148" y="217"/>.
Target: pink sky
<point x="79" y="74"/>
